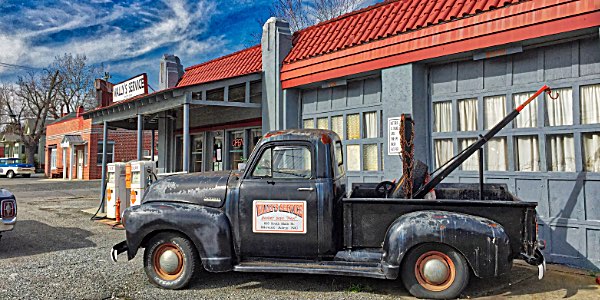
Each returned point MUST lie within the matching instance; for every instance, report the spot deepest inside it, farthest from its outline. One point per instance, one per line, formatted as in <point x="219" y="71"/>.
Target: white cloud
<point x="176" y="26"/>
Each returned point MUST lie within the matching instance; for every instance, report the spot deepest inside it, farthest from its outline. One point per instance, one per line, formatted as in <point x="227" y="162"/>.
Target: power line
<point x="7" y="65"/>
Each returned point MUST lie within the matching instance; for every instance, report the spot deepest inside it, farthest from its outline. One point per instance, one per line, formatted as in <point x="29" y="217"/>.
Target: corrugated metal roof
<point x="240" y="63"/>
<point x="73" y="140"/>
<point x="381" y="21"/>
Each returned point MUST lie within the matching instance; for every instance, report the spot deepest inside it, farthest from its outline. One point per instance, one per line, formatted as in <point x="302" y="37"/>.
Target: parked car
<point x="8" y="211"/>
<point x="11" y="167"/>
<point x="288" y="213"/>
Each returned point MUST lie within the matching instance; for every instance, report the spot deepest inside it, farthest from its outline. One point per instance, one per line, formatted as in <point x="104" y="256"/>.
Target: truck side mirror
<point x="241" y="167"/>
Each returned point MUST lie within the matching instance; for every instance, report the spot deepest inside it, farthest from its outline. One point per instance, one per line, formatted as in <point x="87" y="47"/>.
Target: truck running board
<point x="326" y="268"/>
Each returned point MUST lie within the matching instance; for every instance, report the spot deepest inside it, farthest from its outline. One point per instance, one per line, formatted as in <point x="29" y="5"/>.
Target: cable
<point x="94" y="217"/>
<point x="7" y="65"/>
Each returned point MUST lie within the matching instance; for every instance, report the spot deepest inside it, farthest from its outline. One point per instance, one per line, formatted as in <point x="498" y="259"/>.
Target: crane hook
<point x="549" y="91"/>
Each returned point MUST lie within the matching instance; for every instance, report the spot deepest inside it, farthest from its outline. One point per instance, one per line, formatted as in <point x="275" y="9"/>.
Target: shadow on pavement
<point x="522" y="281"/>
<point x="32" y="237"/>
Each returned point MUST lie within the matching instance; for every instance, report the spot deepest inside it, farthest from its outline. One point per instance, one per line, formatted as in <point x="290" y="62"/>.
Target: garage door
<point x="550" y="154"/>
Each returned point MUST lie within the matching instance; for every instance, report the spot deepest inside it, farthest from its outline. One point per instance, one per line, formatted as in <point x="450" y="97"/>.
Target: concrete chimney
<point x="171" y="71"/>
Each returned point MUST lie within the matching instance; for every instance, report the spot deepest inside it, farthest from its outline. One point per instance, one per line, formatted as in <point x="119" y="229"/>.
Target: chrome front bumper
<point x="7" y="225"/>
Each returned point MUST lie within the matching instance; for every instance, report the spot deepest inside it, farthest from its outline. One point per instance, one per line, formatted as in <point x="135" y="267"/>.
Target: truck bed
<point x="367" y="217"/>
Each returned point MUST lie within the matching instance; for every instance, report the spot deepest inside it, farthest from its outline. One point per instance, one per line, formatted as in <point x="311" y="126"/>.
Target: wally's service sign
<point x="277" y="216"/>
<point x="130" y="88"/>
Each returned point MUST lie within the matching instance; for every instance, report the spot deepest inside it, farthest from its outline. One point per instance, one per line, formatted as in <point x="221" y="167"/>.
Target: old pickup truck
<point x="8" y="211"/>
<point x="289" y="212"/>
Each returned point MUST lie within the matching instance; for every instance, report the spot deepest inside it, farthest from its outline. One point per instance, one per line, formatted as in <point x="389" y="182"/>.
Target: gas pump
<point x="115" y="190"/>
<point x="141" y="172"/>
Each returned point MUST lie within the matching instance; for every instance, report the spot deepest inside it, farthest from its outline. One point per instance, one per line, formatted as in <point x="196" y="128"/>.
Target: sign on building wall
<point x="394" y="146"/>
<point x="130" y="88"/>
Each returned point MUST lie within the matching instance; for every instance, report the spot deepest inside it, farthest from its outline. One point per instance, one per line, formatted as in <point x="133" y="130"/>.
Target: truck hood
<point x="208" y="189"/>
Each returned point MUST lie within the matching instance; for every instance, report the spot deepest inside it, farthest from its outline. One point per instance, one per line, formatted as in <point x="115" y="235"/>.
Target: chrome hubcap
<point x="436" y="271"/>
<point x="169" y="262"/>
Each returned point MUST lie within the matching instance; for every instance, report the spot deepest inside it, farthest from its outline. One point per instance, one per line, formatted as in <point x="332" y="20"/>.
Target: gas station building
<point x="457" y="67"/>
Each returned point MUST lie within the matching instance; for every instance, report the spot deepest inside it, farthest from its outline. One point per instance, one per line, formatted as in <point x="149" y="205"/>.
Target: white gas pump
<point x="141" y="172"/>
<point x="115" y="190"/>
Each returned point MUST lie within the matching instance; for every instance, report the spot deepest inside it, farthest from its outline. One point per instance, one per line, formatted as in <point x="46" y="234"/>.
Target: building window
<point x="256" y="92"/>
<point x="196" y="153"/>
<point x="561" y="150"/>
<point x="237" y="93"/>
<point x="494" y="109"/>
<point x="590" y="104"/>
<point x="443" y="151"/>
<point x="370" y="157"/>
<point x="353" y="127"/>
<point x="496" y="154"/>
<point x="309" y="124"/>
<point x="467" y="115"/>
<point x="110" y="152"/>
<point x="255" y="136"/>
<point x="236" y="148"/>
<point x="353" y="157"/>
<point x="53" y="158"/>
<point x="528" y="116"/>
<point x="560" y="111"/>
<point x="216" y="94"/>
<point x="591" y="148"/>
<point x="442" y="113"/>
<point x="371" y="130"/>
<point x="527" y="153"/>
<point x="472" y="163"/>
<point x="322" y="123"/>
<point x="337" y="125"/>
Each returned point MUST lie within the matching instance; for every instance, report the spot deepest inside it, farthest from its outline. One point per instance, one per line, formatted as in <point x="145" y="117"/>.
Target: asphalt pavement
<point x="56" y="252"/>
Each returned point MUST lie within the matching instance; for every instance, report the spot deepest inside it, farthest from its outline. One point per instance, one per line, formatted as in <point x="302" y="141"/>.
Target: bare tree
<point x="76" y="86"/>
<point x="303" y="13"/>
<point x="28" y="105"/>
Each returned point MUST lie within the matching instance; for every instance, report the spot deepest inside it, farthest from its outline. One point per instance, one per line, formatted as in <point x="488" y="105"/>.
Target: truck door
<point x="278" y="203"/>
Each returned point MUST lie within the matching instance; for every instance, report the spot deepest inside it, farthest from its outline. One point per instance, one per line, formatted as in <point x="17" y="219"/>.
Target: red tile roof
<point x="383" y="20"/>
<point x="240" y="63"/>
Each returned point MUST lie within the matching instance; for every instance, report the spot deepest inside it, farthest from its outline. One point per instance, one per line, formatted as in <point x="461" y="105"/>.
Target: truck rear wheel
<point x="171" y="261"/>
<point x="435" y="271"/>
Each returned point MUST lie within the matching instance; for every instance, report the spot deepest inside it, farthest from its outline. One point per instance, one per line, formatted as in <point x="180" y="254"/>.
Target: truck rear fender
<point x="483" y="242"/>
<point x="208" y="228"/>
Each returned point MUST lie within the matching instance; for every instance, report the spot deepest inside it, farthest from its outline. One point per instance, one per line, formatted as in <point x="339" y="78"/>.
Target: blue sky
<point x="128" y="37"/>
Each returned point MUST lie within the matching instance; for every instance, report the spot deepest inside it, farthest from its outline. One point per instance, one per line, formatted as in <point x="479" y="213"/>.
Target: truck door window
<point x="339" y="157"/>
<point x="284" y="162"/>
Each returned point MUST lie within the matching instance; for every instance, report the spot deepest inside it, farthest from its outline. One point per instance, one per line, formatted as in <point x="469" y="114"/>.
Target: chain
<point x="408" y="157"/>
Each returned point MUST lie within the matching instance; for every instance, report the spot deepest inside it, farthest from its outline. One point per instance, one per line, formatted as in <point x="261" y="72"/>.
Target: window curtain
<point x="495" y="109"/>
<point x="443" y="151"/>
<point x="496" y="154"/>
<point x="467" y="115"/>
<point x="472" y="163"/>
<point x="309" y="123"/>
<point x="370" y="124"/>
<point x="322" y="123"/>
<point x="528" y="157"/>
<point x="442" y="112"/>
<point x="353" y="127"/>
<point x="353" y="157"/>
<point x="337" y="125"/>
<point x="590" y="104"/>
<point x="528" y="116"/>
<point x="370" y="157"/>
<point x="560" y="111"/>
<point x="591" y="145"/>
<point x="562" y="153"/>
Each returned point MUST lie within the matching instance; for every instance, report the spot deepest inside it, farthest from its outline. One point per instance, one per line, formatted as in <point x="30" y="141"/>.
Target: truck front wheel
<point x="435" y="271"/>
<point x="171" y="261"/>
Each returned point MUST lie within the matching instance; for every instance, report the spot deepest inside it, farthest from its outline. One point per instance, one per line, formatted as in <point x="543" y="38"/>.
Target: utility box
<point x="141" y="174"/>
<point x="115" y="190"/>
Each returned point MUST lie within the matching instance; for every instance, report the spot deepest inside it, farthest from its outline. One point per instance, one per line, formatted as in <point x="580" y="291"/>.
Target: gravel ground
<point x="56" y="252"/>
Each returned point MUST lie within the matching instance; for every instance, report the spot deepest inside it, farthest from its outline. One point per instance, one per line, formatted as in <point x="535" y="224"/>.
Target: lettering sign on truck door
<point x="278" y="204"/>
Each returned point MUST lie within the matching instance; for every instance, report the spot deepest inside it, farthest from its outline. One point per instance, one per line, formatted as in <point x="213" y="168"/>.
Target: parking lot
<point x="56" y="252"/>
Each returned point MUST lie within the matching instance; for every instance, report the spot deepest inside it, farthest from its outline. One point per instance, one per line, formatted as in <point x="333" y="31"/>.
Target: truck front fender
<point x="207" y="227"/>
<point x="483" y="242"/>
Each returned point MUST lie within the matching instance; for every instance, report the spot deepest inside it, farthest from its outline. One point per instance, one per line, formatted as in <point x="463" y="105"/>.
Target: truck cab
<point x="289" y="212"/>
